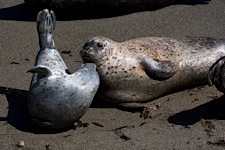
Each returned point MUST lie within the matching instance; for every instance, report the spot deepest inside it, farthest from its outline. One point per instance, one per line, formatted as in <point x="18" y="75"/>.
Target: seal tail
<point x="46" y="21"/>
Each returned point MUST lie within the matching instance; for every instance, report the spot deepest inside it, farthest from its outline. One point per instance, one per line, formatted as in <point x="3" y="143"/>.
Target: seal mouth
<point x="87" y="60"/>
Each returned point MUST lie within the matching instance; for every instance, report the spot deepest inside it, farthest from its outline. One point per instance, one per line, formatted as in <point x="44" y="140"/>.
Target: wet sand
<point x="192" y="119"/>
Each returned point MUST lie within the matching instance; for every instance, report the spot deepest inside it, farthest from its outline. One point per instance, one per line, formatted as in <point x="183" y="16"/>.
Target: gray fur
<point x="58" y="99"/>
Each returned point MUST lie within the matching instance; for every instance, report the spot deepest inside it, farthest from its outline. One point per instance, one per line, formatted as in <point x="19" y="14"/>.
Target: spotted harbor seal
<point x="146" y="68"/>
<point x="56" y="97"/>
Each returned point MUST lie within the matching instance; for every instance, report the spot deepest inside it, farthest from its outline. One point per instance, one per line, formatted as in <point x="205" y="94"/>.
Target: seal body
<point x="56" y="97"/>
<point x="96" y="6"/>
<point x="143" y="69"/>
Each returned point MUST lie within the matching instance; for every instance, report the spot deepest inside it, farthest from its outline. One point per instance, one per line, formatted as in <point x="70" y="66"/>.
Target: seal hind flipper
<point x="46" y="21"/>
<point x="42" y="122"/>
<point x="132" y="106"/>
<point x="158" y="70"/>
<point x="42" y="71"/>
<point x="216" y="73"/>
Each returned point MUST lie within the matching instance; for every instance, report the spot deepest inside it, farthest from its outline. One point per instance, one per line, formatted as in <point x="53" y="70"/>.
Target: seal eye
<point x="99" y="45"/>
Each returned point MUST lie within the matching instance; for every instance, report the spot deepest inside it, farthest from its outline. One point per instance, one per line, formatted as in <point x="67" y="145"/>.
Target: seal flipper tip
<point x="46" y="22"/>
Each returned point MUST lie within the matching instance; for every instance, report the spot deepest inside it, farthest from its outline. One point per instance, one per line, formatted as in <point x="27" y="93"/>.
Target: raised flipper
<point x="42" y="71"/>
<point x="216" y="74"/>
<point x="46" y="22"/>
<point x="158" y="70"/>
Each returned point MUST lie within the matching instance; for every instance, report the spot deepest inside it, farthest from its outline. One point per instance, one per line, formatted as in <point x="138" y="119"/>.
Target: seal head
<point x="97" y="49"/>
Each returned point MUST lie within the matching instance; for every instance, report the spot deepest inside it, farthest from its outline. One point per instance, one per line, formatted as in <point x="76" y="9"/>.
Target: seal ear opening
<point x="42" y="71"/>
<point x="215" y="71"/>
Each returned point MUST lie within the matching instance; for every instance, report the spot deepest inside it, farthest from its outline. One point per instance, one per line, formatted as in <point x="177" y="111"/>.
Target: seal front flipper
<point x="158" y="70"/>
<point x="132" y="106"/>
<point x="216" y="74"/>
<point x="42" y="71"/>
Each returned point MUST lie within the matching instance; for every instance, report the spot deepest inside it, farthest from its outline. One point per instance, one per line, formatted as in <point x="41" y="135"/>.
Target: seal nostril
<point x="99" y="45"/>
<point x="86" y="47"/>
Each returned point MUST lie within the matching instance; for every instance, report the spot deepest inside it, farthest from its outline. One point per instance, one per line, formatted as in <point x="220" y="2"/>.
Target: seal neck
<point x="46" y="41"/>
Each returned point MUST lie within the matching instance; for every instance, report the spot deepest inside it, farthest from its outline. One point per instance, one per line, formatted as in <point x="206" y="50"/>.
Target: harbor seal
<point x="143" y="69"/>
<point x="57" y="98"/>
<point x="216" y="74"/>
<point x="100" y="7"/>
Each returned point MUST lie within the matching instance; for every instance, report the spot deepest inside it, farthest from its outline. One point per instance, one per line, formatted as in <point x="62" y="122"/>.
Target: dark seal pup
<point x="83" y="7"/>
<point x="143" y="69"/>
<point x="56" y="97"/>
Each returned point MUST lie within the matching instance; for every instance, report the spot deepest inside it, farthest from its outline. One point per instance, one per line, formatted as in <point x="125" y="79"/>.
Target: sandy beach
<point x="192" y="119"/>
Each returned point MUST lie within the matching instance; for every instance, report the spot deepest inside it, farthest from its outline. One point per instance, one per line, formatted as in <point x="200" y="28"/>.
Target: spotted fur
<point x="143" y="69"/>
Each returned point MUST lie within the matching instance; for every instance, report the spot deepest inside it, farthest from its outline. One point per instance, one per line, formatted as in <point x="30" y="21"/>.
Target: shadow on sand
<point x="17" y="108"/>
<point x="18" y="114"/>
<point x="22" y="12"/>
<point x="211" y="110"/>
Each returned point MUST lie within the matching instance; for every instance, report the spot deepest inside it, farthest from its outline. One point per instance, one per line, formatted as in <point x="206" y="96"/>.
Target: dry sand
<point x="174" y="125"/>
